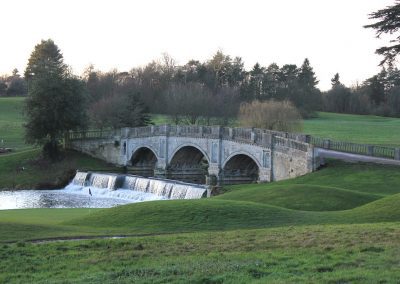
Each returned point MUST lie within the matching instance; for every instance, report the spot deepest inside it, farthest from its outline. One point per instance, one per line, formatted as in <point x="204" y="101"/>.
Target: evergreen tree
<point x="335" y="81"/>
<point x="56" y="100"/>
<point x="388" y="22"/>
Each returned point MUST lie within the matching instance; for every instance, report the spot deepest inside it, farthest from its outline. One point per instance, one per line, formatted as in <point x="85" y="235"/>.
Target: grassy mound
<point x="386" y="209"/>
<point x="339" y="186"/>
<point x="302" y="197"/>
<point x="214" y="214"/>
<point x="191" y="215"/>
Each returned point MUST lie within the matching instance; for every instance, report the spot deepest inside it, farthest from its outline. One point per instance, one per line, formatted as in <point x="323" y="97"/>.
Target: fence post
<point x="327" y="144"/>
<point x="201" y="131"/>
<point x="397" y="153"/>
<point x="231" y="133"/>
<point x="308" y="138"/>
<point x="370" y="150"/>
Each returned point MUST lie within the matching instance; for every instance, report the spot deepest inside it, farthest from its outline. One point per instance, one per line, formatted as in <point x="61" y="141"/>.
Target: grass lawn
<point x="365" y="129"/>
<point x="11" y="124"/>
<point x="367" y="253"/>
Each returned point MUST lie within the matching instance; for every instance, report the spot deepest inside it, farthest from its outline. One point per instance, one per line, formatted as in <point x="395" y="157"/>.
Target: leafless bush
<point x="274" y="115"/>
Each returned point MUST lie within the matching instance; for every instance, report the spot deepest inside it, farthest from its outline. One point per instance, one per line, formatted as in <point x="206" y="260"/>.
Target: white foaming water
<point x="125" y="194"/>
<point x="133" y="188"/>
<point x="80" y="178"/>
<point x="103" y="180"/>
<point x="167" y="188"/>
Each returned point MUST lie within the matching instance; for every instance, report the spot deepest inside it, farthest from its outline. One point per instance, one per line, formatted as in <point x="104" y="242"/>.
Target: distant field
<point x="11" y="124"/>
<point x="367" y="129"/>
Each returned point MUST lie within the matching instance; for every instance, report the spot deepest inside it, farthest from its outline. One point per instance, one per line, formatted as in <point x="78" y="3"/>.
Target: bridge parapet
<point x="261" y="137"/>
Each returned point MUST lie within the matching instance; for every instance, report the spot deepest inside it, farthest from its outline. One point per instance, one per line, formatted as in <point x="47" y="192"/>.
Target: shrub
<point x="274" y="115"/>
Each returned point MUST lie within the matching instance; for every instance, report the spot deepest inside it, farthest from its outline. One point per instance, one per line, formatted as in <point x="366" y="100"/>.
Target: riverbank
<point x="28" y="169"/>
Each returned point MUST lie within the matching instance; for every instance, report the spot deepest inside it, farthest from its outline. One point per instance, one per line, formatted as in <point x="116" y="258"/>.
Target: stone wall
<point x="103" y="149"/>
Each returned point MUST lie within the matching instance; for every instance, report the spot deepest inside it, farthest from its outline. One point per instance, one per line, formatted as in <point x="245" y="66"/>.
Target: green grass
<point x="312" y="254"/>
<point x="303" y="197"/>
<point x="339" y="186"/>
<point x="41" y="172"/>
<point x="365" y="129"/>
<point x="11" y="124"/>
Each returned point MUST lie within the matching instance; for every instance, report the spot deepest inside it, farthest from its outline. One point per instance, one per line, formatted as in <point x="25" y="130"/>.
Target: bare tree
<point x="274" y="115"/>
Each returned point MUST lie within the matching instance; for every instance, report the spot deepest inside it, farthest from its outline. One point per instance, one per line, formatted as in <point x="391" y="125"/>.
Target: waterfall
<point x="103" y="180"/>
<point x="134" y="187"/>
<point x="163" y="187"/>
<point x="80" y="178"/>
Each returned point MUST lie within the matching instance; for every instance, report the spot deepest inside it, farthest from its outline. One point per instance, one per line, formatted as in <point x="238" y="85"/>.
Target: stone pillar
<point x="252" y="136"/>
<point x="216" y="131"/>
<point x="266" y="139"/>
<point x="214" y="170"/>
<point x="327" y="144"/>
<point x="231" y="133"/>
<point x="264" y="175"/>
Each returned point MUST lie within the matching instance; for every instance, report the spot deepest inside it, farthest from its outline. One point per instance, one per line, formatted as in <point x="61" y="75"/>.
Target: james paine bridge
<point x="193" y="153"/>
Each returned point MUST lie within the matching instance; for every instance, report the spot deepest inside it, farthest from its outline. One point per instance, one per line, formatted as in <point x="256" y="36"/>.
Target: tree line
<point x="13" y="85"/>
<point x="193" y="93"/>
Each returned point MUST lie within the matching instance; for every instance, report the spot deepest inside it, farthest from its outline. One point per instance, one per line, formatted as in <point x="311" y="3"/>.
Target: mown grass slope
<point x="187" y="216"/>
<point x="302" y="197"/>
<point x="37" y="172"/>
<point x="339" y="186"/>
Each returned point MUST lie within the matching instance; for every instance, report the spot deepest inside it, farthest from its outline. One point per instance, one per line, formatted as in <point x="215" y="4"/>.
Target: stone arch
<point x="188" y="163"/>
<point x="143" y="161"/>
<point x="199" y="148"/>
<point x="241" y="167"/>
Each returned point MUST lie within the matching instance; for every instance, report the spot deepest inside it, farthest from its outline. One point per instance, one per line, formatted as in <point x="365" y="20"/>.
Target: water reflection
<point x="55" y="199"/>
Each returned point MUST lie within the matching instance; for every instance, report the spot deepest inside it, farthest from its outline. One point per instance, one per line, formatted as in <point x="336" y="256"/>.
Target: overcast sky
<point x="125" y="34"/>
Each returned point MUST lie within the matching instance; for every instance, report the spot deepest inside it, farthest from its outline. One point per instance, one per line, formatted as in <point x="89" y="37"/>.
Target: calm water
<point x="71" y="198"/>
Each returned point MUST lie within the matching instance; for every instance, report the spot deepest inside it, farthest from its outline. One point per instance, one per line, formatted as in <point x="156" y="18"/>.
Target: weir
<point x="168" y="189"/>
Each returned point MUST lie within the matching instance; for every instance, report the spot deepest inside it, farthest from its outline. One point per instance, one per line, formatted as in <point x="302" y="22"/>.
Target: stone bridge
<point x="193" y="153"/>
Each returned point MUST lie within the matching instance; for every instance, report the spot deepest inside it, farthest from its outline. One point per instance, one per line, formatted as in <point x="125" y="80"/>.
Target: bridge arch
<point x="188" y="163"/>
<point x="143" y="161"/>
<point x="241" y="167"/>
